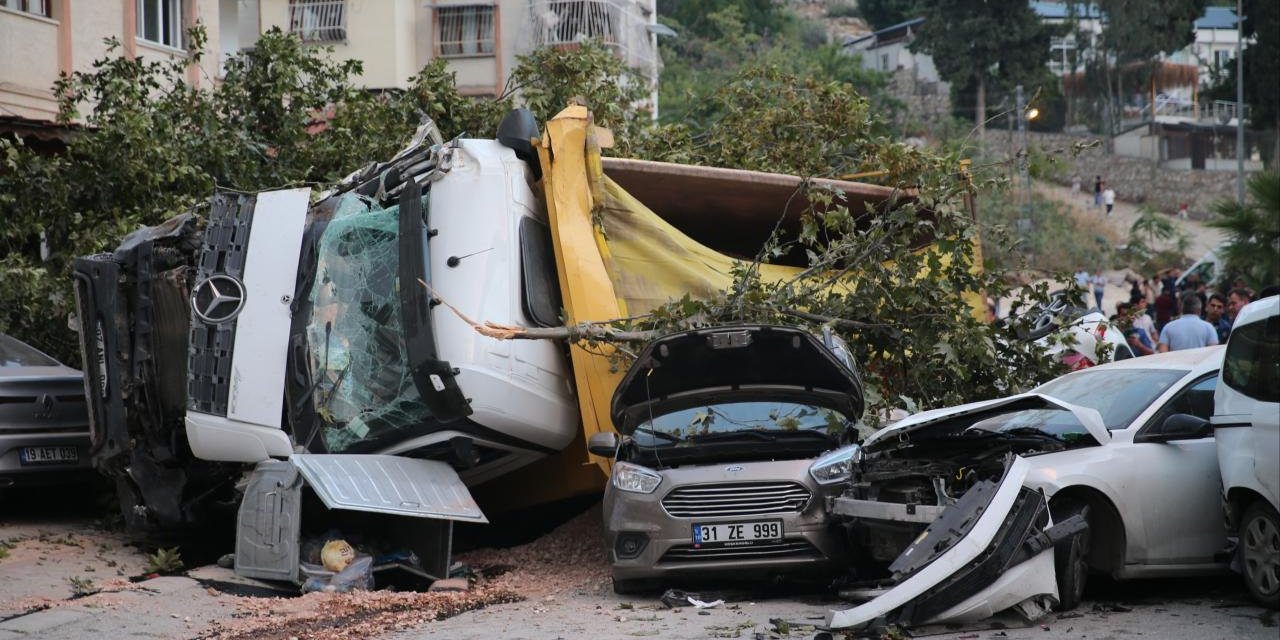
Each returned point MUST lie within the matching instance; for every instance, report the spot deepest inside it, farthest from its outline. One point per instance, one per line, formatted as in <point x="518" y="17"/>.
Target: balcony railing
<point x="620" y="24"/>
<point x="318" y="20"/>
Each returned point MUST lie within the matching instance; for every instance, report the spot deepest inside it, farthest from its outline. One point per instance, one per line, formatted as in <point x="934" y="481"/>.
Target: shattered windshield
<point x="745" y="419"/>
<point x="364" y="390"/>
<point x="1118" y="394"/>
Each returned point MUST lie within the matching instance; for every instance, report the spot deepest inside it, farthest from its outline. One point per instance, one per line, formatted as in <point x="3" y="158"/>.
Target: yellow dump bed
<point x="630" y="235"/>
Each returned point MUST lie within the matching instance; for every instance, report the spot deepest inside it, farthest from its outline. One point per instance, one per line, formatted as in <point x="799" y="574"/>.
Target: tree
<point x="287" y="114"/>
<point x="1136" y="33"/>
<point x="1252" y="250"/>
<point x="1261" y="66"/>
<point x="979" y="41"/>
<point x="886" y="13"/>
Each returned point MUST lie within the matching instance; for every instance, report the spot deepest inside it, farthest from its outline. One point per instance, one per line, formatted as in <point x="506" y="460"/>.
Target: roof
<point x="1205" y="358"/>
<point x="1061" y="10"/>
<point x="888" y="35"/>
<point x="1217" y="18"/>
<point x="39" y="129"/>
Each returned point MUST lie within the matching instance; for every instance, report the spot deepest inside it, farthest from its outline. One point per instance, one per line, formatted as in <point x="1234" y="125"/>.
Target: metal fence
<point x="318" y="20"/>
<point x="619" y="24"/>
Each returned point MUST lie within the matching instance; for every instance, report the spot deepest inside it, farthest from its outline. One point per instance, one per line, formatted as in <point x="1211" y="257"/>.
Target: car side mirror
<point x="604" y="444"/>
<point x="1181" y="426"/>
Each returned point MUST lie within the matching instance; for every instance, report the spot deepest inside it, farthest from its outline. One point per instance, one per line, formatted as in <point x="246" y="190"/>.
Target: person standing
<point x="1097" y="191"/>
<point x="1236" y="300"/>
<point x="1215" y="314"/>
<point x="1142" y="320"/>
<point x="1109" y="198"/>
<point x="1099" y="283"/>
<point x="1082" y="277"/>
<point x="1188" y="331"/>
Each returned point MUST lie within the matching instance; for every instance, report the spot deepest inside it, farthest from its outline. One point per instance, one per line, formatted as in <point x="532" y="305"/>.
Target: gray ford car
<point x="731" y="441"/>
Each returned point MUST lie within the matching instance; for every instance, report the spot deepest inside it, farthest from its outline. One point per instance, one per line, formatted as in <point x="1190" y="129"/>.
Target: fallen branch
<point x="589" y="331"/>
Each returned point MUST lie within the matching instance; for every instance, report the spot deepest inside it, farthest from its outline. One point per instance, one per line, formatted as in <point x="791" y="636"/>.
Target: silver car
<point x="44" y="426"/>
<point x="730" y="444"/>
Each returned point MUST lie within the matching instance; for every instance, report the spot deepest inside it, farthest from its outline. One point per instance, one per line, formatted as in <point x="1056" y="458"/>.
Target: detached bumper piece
<point x="990" y="551"/>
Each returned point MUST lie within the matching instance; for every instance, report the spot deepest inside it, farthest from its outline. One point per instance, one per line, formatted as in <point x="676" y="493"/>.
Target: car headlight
<point x="634" y="478"/>
<point x="836" y="466"/>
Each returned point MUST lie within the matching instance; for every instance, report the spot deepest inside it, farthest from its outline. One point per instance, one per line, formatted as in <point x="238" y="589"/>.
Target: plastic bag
<point x="357" y="575"/>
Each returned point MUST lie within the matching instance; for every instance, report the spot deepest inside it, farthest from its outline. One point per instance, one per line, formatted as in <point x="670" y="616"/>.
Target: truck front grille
<point x="226" y="242"/>
<point x="736" y="499"/>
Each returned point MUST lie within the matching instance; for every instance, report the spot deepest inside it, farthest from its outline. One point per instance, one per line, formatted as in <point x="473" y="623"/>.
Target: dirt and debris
<point x="570" y="558"/>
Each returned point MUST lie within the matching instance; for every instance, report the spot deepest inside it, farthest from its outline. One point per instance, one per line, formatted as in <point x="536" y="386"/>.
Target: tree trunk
<point x="980" y="110"/>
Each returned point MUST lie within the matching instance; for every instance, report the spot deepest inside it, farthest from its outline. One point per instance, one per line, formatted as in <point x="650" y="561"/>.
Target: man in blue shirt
<point x="1188" y="331"/>
<point x="1215" y="314"/>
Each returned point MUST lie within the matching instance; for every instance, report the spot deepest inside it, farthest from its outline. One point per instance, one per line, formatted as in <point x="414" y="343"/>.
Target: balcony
<point x="318" y="20"/>
<point x="622" y="25"/>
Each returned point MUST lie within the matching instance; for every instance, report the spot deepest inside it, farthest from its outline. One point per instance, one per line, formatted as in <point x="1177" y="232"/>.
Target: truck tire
<point x="1260" y="553"/>
<point x="1071" y="559"/>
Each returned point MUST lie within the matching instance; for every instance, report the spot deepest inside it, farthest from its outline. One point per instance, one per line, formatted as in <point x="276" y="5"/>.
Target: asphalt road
<point x="55" y="547"/>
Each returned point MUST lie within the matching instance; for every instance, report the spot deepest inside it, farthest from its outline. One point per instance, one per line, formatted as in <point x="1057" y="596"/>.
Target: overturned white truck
<point x="286" y="342"/>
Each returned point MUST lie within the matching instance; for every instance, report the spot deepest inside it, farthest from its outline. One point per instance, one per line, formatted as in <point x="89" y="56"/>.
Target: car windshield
<point x="1118" y="394"/>
<point x="750" y="419"/>
<point x="14" y="353"/>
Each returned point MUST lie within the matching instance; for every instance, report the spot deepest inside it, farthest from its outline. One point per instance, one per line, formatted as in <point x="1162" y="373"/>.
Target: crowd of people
<point x="1163" y="315"/>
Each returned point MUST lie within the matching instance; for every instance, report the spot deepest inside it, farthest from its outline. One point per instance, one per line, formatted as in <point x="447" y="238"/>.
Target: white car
<point x="954" y="500"/>
<point x="1246" y="421"/>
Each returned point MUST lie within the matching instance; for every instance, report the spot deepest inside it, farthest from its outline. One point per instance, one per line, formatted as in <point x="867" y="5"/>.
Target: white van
<point x="1246" y="423"/>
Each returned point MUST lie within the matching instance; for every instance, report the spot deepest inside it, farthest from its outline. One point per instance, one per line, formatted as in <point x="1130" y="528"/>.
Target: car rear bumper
<point x="13" y="473"/>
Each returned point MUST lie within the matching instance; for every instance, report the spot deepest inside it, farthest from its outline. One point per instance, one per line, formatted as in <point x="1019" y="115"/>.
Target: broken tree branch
<point x="589" y="331"/>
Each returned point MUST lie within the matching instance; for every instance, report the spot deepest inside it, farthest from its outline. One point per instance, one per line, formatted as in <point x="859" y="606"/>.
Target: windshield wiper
<point x="1034" y="431"/>
<point x="661" y="434"/>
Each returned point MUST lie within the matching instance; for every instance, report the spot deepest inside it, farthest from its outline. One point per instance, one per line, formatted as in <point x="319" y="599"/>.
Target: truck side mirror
<point x="603" y="444"/>
<point x="1181" y="426"/>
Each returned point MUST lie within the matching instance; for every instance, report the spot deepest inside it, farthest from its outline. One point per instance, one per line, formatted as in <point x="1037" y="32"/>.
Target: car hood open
<point x="691" y="366"/>
<point x="1089" y="418"/>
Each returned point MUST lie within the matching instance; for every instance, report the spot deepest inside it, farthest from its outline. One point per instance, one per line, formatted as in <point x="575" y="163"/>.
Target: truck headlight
<point x="634" y="478"/>
<point x="836" y="466"/>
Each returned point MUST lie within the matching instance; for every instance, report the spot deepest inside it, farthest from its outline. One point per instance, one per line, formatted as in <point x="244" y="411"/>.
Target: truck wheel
<point x="1071" y="559"/>
<point x="1260" y="551"/>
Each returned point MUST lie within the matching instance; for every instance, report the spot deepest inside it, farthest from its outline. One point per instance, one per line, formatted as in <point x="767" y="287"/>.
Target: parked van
<point x="1246" y="421"/>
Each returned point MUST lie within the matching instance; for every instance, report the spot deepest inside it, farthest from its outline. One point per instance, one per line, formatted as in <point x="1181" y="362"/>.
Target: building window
<point x="160" y="21"/>
<point x="568" y="22"/>
<point x="884" y="62"/>
<point x="1222" y="58"/>
<point x="464" y="31"/>
<point x="318" y="20"/>
<point x="38" y="7"/>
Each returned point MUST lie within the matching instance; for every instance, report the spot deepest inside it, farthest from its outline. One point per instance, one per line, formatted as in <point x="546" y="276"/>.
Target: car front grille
<point x="736" y="499"/>
<point x="784" y="549"/>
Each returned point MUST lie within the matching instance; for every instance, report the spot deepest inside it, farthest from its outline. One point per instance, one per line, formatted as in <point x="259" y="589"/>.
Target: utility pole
<point x="1239" y="103"/>
<point x="1024" y="166"/>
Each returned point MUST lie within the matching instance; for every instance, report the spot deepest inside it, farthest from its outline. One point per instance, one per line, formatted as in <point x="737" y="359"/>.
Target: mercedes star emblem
<point x="218" y="299"/>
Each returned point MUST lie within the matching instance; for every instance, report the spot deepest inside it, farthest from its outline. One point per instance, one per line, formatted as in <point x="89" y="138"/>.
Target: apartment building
<point x="40" y="39"/>
<point x="479" y="40"/>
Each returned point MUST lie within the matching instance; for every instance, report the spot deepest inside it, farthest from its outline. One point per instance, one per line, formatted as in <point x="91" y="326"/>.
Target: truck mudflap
<point x="992" y="550"/>
<point x="424" y="496"/>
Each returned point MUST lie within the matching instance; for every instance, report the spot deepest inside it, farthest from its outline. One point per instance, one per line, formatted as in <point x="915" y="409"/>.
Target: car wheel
<point x="1061" y="309"/>
<point x="1260" y="553"/>
<point x="1071" y="559"/>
